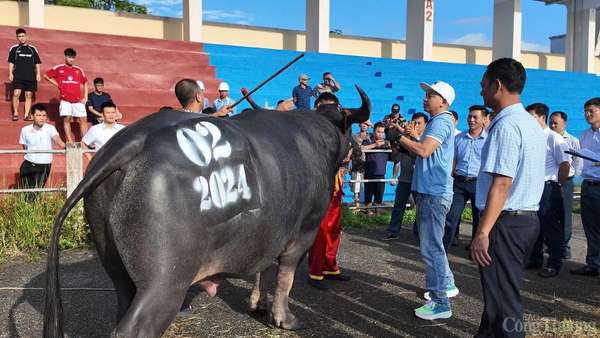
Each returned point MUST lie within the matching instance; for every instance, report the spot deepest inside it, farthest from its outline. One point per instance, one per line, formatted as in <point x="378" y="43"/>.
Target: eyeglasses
<point x="303" y="79"/>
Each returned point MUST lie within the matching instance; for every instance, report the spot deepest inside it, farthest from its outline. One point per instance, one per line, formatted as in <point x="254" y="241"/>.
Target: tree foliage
<point x="109" y="5"/>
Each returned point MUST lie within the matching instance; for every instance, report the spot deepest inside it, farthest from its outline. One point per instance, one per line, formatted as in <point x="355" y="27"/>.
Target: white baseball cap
<point x="200" y="84"/>
<point x="223" y="86"/>
<point x="442" y="88"/>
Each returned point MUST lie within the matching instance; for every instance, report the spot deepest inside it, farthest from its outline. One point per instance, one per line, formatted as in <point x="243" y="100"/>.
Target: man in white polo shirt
<point x="37" y="136"/>
<point x="99" y="134"/>
<point x="551" y="210"/>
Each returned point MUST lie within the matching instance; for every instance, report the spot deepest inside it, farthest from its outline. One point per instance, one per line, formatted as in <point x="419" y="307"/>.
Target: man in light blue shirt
<point x="590" y="189"/>
<point x="432" y="183"/>
<point x="467" y="160"/>
<point x="509" y="188"/>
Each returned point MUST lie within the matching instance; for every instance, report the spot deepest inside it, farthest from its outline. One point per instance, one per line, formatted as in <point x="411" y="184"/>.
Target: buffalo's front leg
<point x="281" y="316"/>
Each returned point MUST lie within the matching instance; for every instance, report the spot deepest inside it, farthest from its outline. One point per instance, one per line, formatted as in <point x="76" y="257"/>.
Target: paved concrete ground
<point x="387" y="284"/>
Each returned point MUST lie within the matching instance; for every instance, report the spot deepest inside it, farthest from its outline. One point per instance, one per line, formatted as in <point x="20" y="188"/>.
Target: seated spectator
<point x="37" y="136"/>
<point x="224" y="99"/>
<point x="99" y="134"/>
<point x="375" y="166"/>
<point x="329" y="84"/>
<point x="302" y="93"/>
<point x="95" y="101"/>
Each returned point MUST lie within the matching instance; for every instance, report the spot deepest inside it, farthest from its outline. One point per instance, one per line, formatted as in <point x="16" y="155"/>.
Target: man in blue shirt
<point x="467" y="160"/>
<point x="432" y="183"/>
<point x="302" y="93"/>
<point x="509" y="188"/>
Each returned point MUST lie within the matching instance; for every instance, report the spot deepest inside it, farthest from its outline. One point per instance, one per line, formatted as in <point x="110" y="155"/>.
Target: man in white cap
<point x="206" y="104"/>
<point x="224" y="99"/>
<point x="432" y="183"/>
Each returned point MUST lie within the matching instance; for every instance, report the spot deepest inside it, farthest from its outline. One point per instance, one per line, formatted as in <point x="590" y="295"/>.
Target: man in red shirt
<point x="69" y="79"/>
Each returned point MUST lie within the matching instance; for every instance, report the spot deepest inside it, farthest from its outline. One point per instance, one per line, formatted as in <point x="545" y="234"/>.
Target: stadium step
<point x="139" y="73"/>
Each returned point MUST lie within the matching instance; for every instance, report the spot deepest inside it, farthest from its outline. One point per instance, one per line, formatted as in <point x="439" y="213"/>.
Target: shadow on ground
<point x="387" y="284"/>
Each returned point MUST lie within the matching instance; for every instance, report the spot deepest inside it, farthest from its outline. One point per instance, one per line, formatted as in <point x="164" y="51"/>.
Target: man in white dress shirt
<point x="558" y="123"/>
<point x="99" y="134"/>
<point x="37" y="136"/>
<point x="551" y="211"/>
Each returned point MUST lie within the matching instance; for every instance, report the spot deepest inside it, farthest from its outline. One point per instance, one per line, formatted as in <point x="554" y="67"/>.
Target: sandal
<point x="28" y="118"/>
<point x="15" y="117"/>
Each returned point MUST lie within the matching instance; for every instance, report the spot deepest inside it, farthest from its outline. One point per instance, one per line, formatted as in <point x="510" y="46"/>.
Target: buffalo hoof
<point x="260" y="307"/>
<point x="289" y="323"/>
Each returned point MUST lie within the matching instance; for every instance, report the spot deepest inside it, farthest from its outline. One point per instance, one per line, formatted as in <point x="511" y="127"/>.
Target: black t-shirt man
<point x="24" y="57"/>
<point x="96" y="100"/>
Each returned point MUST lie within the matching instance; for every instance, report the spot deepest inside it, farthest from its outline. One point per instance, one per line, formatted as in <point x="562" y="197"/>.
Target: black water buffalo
<point x="180" y="198"/>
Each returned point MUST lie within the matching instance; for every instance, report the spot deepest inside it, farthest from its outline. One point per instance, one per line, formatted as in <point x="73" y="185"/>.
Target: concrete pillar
<point x="507" y="29"/>
<point x="36" y="13"/>
<point x="317" y="26"/>
<point x="192" y="20"/>
<point x="74" y="166"/>
<point x="581" y="37"/>
<point x="419" y="29"/>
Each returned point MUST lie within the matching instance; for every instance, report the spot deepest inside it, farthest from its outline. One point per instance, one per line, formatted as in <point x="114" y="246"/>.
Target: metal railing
<point x="74" y="165"/>
<point x="576" y="194"/>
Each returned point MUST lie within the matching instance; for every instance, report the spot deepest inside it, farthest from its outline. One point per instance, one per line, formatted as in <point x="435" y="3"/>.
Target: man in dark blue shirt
<point x="95" y="101"/>
<point x="302" y="93"/>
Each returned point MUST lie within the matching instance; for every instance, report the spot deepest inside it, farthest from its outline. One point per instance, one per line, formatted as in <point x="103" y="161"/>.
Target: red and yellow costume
<point x="322" y="254"/>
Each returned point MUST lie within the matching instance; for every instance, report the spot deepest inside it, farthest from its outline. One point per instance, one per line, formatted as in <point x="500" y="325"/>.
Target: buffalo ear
<point x="362" y="114"/>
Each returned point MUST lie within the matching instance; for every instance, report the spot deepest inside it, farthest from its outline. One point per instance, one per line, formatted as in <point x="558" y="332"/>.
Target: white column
<point x="419" y="29"/>
<point x="581" y="36"/>
<point x="36" y="13"/>
<point x="317" y="26"/>
<point x="192" y="20"/>
<point x="507" y="29"/>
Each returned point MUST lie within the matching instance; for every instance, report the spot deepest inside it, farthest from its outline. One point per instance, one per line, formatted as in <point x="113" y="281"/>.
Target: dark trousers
<point x="590" y="217"/>
<point x="510" y="240"/>
<point x="374" y="189"/>
<point x="551" y="214"/>
<point x="568" y="188"/>
<point x="402" y="194"/>
<point x="464" y="190"/>
<point x="33" y="175"/>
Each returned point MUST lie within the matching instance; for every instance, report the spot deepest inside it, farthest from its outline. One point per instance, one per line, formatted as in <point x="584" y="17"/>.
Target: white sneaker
<point x="451" y="292"/>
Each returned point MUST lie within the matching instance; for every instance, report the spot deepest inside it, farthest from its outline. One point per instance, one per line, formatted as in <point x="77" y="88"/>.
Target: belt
<point x="465" y="178"/>
<point x="592" y="183"/>
<point x="518" y="213"/>
<point x="551" y="183"/>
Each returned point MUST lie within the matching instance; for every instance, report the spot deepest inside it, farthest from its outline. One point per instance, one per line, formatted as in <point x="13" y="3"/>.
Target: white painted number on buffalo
<point x="225" y="185"/>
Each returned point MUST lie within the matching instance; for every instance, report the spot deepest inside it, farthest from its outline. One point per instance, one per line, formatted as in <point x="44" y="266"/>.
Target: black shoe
<point x="339" y="278"/>
<point x="317" y="284"/>
<point x="548" y="272"/>
<point x="585" y="271"/>
<point x="533" y="266"/>
<point x="567" y="256"/>
<point x="390" y="237"/>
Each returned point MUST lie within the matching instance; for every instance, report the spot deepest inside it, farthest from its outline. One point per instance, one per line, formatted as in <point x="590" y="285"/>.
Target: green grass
<point x="360" y="220"/>
<point x="26" y="227"/>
